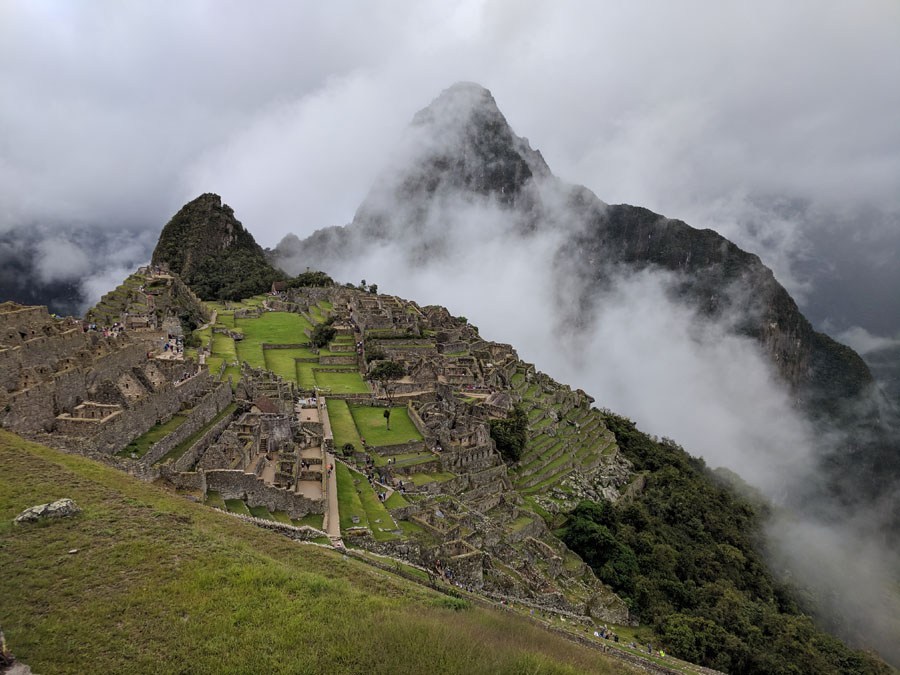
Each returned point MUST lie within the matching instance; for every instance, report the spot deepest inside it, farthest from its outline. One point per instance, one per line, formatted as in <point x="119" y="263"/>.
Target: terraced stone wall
<point x="235" y="484"/>
<point x="210" y="406"/>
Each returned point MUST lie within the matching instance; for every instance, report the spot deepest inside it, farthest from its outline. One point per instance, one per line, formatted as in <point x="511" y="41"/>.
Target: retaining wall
<point x="235" y="484"/>
<point x="212" y="404"/>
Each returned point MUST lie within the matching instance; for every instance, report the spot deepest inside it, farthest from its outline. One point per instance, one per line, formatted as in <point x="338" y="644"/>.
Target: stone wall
<point x="211" y="405"/>
<point x="183" y="480"/>
<point x="235" y="484"/>
<point x="144" y="415"/>
<point x="338" y="360"/>
<point x="399" y="448"/>
<point x="18" y="315"/>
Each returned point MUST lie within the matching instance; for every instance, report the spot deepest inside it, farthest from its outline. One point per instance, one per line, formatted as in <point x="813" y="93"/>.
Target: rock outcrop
<point x="61" y="508"/>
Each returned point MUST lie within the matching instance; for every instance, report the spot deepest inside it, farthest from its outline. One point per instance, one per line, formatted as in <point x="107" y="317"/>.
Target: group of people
<point x="108" y="331"/>
<point x="606" y="634"/>
<point x="174" y="344"/>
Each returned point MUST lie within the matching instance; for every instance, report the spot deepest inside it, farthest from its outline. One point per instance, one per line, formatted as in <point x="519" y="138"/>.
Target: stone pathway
<point x="332" y="515"/>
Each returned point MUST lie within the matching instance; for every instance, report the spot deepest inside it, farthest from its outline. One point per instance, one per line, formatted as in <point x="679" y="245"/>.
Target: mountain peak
<point x="457" y="104"/>
<point x="460" y="144"/>
<point x="203" y="241"/>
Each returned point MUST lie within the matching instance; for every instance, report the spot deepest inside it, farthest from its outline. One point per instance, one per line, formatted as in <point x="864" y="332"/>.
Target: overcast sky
<point x="774" y="123"/>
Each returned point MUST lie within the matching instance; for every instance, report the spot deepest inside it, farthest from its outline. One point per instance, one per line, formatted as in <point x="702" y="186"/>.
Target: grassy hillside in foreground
<point x="162" y="585"/>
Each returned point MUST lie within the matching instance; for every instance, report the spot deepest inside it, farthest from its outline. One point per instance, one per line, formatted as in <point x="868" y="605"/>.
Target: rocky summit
<point x="212" y="252"/>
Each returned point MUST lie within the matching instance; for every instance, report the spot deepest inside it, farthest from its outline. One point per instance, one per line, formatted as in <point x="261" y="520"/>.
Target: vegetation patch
<point x="373" y="425"/>
<point x="349" y="504"/>
<point x="279" y="328"/>
<point x="682" y="553"/>
<point x="342" y="424"/>
<point x="178" y="451"/>
<point x="350" y="382"/>
<point x="237" y="506"/>
<point x="141" y="445"/>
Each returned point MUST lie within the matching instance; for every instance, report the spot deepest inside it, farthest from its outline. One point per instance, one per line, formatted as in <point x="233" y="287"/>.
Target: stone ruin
<point x="265" y="443"/>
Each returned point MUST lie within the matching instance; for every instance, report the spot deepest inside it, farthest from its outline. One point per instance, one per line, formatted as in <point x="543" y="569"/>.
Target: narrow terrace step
<point x="562" y="463"/>
<point x="552" y="480"/>
<point x="551" y="455"/>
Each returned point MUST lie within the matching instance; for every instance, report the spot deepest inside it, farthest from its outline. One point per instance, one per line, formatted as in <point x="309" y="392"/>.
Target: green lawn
<point x="223" y="345"/>
<point x="213" y="498"/>
<point x="342" y="425"/>
<point x="281" y="361"/>
<point x="342" y="383"/>
<point x="310" y="519"/>
<point x="395" y="501"/>
<point x="173" y="586"/>
<point x="306" y="377"/>
<point x="142" y="444"/>
<point x="277" y="328"/>
<point x="377" y="514"/>
<point x="349" y="503"/>
<point x="371" y="425"/>
<point x="422" y="478"/>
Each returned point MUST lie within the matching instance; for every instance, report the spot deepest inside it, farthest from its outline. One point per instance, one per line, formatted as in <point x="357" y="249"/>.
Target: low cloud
<point x="864" y="342"/>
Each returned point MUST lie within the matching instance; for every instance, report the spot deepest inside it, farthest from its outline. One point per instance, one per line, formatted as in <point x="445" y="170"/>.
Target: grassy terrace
<point x="283" y="361"/>
<point x="160" y="582"/>
<point x="176" y="453"/>
<point x="377" y="514"/>
<point x="273" y="328"/>
<point x="371" y="425"/>
<point x="342" y="425"/>
<point x="423" y="478"/>
<point x="349" y="503"/>
<point x="142" y="444"/>
<point x="349" y="382"/>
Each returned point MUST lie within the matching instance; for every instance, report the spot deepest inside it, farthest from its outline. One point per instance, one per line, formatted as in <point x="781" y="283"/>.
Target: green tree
<point x="511" y="434"/>
<point x="323" y="333"/>
<point x="386" y="373"/>
<point x="310" y="278"/>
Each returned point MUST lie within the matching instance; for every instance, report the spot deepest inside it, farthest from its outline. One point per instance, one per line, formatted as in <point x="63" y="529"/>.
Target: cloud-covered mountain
<point x="677" y="327"/>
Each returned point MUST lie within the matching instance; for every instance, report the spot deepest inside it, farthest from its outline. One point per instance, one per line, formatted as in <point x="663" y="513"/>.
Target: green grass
<point x="282" y="517"/>
<point x="376" y="513"/>
<point x="223" y="345"/>
<point x="341" y="383"/>
<point x="164" y="585"/>
<point x="422" y="478"/>
<point x="306" y="377"/>
<point x="371" y="425"/>
<point x="349" y="503"/>
<point x="342" y="425"/>
<point x="176" y="453"/>
<point x="237" y="506"/>
<point x="395" y="501"/>
<point x="261" y="512"/>
<point x="142" y="444"/>
<point x="277" y="328"/>
<point x="520" y="523"/>
<point x="281" y="361"/>
<point x="310" y="519"/>
<point x="213" y="498"/>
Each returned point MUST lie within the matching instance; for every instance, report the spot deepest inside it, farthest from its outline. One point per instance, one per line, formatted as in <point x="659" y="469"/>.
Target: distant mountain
<point x="212" y="252"/>
<point x="459" y="152"/>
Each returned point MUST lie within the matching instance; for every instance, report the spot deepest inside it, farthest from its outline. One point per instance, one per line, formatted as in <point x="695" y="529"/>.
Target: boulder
<point x="61" y="508"/>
